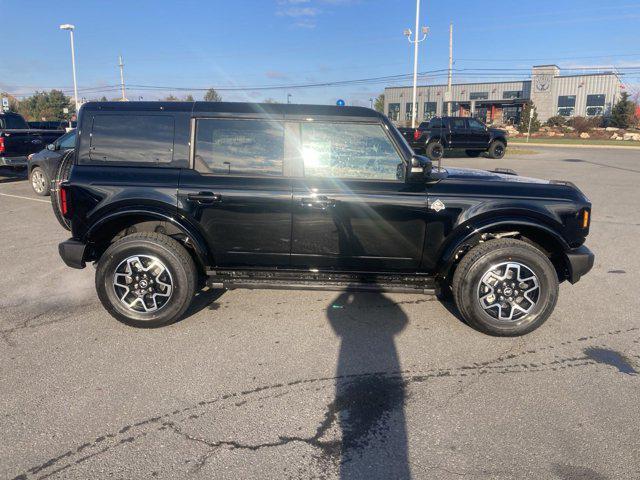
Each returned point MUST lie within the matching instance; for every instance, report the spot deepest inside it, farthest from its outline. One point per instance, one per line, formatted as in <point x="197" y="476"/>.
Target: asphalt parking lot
<point x="278" y="384"/>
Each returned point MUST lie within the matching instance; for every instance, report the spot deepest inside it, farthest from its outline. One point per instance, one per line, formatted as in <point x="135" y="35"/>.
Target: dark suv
<point x="169" y="196"/>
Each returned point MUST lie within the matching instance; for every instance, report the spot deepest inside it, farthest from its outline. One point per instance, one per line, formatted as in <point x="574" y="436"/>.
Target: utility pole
<point x="450" y="69"/>
<point x="121" y="64"/>
<point x="415" y="41"/>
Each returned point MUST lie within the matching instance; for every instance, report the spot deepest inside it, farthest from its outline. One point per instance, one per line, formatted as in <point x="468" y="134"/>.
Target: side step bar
<point x="288" y="280"/>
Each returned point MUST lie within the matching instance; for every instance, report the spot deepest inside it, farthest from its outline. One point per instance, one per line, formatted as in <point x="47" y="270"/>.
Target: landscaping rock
<point x="585" y="135"/>
<point x="631" y="136"/>
<point x="611" y="129"/>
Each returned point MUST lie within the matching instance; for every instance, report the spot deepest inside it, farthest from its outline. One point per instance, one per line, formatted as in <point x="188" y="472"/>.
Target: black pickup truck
<point x="18" y="140"/>
<point x="432" y="138"/>
<point x="168" y="196"/>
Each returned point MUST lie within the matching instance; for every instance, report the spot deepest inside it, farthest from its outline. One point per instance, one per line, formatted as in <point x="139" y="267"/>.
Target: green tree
<point x="103" y="99"/>
<point x="212" y="96"/>
<point x="525" y="116"/>
<point x="622" y="115"/>
<point x="270" y="100"/>
<point x="378" y="104"/>
<point x="189" y="98"/>
<point x="170" y="98"/>
<point x="46" y="106"/>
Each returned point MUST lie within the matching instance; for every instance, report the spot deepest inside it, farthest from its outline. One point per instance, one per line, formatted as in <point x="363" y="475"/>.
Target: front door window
<point x="343" y="150"/>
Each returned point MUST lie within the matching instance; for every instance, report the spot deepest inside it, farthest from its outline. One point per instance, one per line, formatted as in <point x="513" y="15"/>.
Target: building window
<point x="566" y="105"/>
<point x="408" y="111"/>
<point x="595" y="105"/>
<point x="511" y="94"/>
<point x="394" y="111"/>
<point x="478" y="95"/>
<point x="430" y="110"/>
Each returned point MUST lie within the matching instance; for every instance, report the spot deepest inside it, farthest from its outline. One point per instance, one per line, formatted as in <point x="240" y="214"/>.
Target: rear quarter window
<point x="131" y="139"/>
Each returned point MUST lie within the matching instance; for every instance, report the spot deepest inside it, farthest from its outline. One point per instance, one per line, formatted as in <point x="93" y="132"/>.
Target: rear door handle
<point x="204" y="197"/>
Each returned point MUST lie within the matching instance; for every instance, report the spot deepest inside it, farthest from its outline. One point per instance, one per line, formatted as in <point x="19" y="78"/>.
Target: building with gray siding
<point x="587" y="95"/>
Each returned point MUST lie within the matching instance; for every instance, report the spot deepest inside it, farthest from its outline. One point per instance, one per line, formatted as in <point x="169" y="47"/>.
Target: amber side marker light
<point x="585" y="218"/>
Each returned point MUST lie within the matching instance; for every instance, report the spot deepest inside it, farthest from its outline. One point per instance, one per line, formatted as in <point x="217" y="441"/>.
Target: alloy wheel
<point x="508" y="291"/>
<point x="143" y="283"/>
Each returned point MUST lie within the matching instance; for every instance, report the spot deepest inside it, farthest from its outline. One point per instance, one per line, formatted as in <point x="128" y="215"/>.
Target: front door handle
<point x="318" y="201"/>
<point x="204" y="197"/>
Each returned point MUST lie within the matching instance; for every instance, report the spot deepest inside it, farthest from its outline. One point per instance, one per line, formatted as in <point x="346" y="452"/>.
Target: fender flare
<point x="197" y="240"/>
<point x="465" y="233"/>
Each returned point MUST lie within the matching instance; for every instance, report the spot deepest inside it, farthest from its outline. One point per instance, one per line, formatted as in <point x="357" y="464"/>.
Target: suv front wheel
<point x="505" y="287"/>
<point x="146" y="280"/>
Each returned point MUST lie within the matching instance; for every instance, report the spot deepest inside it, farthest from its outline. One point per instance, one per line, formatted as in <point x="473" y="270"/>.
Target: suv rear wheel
<point x="497" y="149"/>
<point x="146" y="280"/>
<point x="505" y="287"/>
<point x="434" y="151"/>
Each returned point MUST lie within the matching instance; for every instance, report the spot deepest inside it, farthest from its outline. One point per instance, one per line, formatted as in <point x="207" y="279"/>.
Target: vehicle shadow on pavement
<point x="204" y="298"/>
<point x="370" y="395"/>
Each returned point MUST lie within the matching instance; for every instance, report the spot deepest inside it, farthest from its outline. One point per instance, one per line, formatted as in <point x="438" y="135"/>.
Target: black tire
<point x="182" y="277"/>
<point x="473" y="153"/>
<point x="435" y="151"/>
<point x="466" y="287"/>
<point x="497" y="149"/>
<point x="62" y="174"/>
<point x="40" y="181"/>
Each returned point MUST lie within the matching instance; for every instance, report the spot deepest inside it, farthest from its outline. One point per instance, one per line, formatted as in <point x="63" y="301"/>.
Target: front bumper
<point x="72" y="253"/>
<point x="13" y="161"/>
<point x="579" y="261"/>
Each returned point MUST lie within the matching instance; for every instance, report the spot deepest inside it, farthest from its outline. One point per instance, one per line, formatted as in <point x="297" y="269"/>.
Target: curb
<point x="571" y="145"/>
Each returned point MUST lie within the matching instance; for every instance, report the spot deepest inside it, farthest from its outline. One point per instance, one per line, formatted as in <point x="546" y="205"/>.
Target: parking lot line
<point x="24" y="198"/>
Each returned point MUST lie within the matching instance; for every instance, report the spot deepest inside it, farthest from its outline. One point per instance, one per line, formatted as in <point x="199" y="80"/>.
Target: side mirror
<point x="52" y="147"/>
<point x="418" y="170"/>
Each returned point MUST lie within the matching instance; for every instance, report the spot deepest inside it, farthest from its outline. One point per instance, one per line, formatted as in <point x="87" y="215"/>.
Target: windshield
<point x="68" y="140"/>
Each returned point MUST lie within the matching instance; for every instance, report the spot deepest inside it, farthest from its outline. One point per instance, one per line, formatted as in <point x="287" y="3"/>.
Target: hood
<point x="498" y="131"/>
<point x="474" y="174"/>
<point x="46" y="154"/>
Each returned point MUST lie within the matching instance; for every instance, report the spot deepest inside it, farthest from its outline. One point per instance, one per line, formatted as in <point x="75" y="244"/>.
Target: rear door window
<point x="132" y="139"/>
<point x="239" y="147"/>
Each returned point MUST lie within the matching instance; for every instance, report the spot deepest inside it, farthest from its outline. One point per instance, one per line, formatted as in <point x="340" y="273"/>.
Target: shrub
<point x="584" y="124"/>
<point x="557" y="121"/>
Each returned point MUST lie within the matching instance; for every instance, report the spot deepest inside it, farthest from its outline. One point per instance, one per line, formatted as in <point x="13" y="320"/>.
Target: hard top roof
<point x="234" y="107"/>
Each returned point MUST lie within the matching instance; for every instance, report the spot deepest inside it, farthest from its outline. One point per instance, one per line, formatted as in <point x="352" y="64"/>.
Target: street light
<point x="68" y="26"/>
<point x="415" y="41"/>
<point x="289" y="97"/>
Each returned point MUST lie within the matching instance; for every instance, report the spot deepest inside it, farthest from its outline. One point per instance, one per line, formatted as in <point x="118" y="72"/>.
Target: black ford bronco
<point x="167" y="197"/>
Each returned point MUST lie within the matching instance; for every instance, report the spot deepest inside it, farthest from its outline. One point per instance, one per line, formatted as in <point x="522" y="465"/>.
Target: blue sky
<point x="258" y="43"/>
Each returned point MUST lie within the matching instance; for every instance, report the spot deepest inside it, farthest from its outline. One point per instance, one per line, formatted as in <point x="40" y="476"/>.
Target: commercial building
<point x="587" y="95"/>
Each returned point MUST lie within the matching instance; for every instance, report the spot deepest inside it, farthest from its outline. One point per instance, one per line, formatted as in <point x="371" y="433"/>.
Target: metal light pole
<point x="289" y="97"/>
<point x="450" y="69"/>
<point x="68" y="26"/>
<point x="415" y="42"/>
